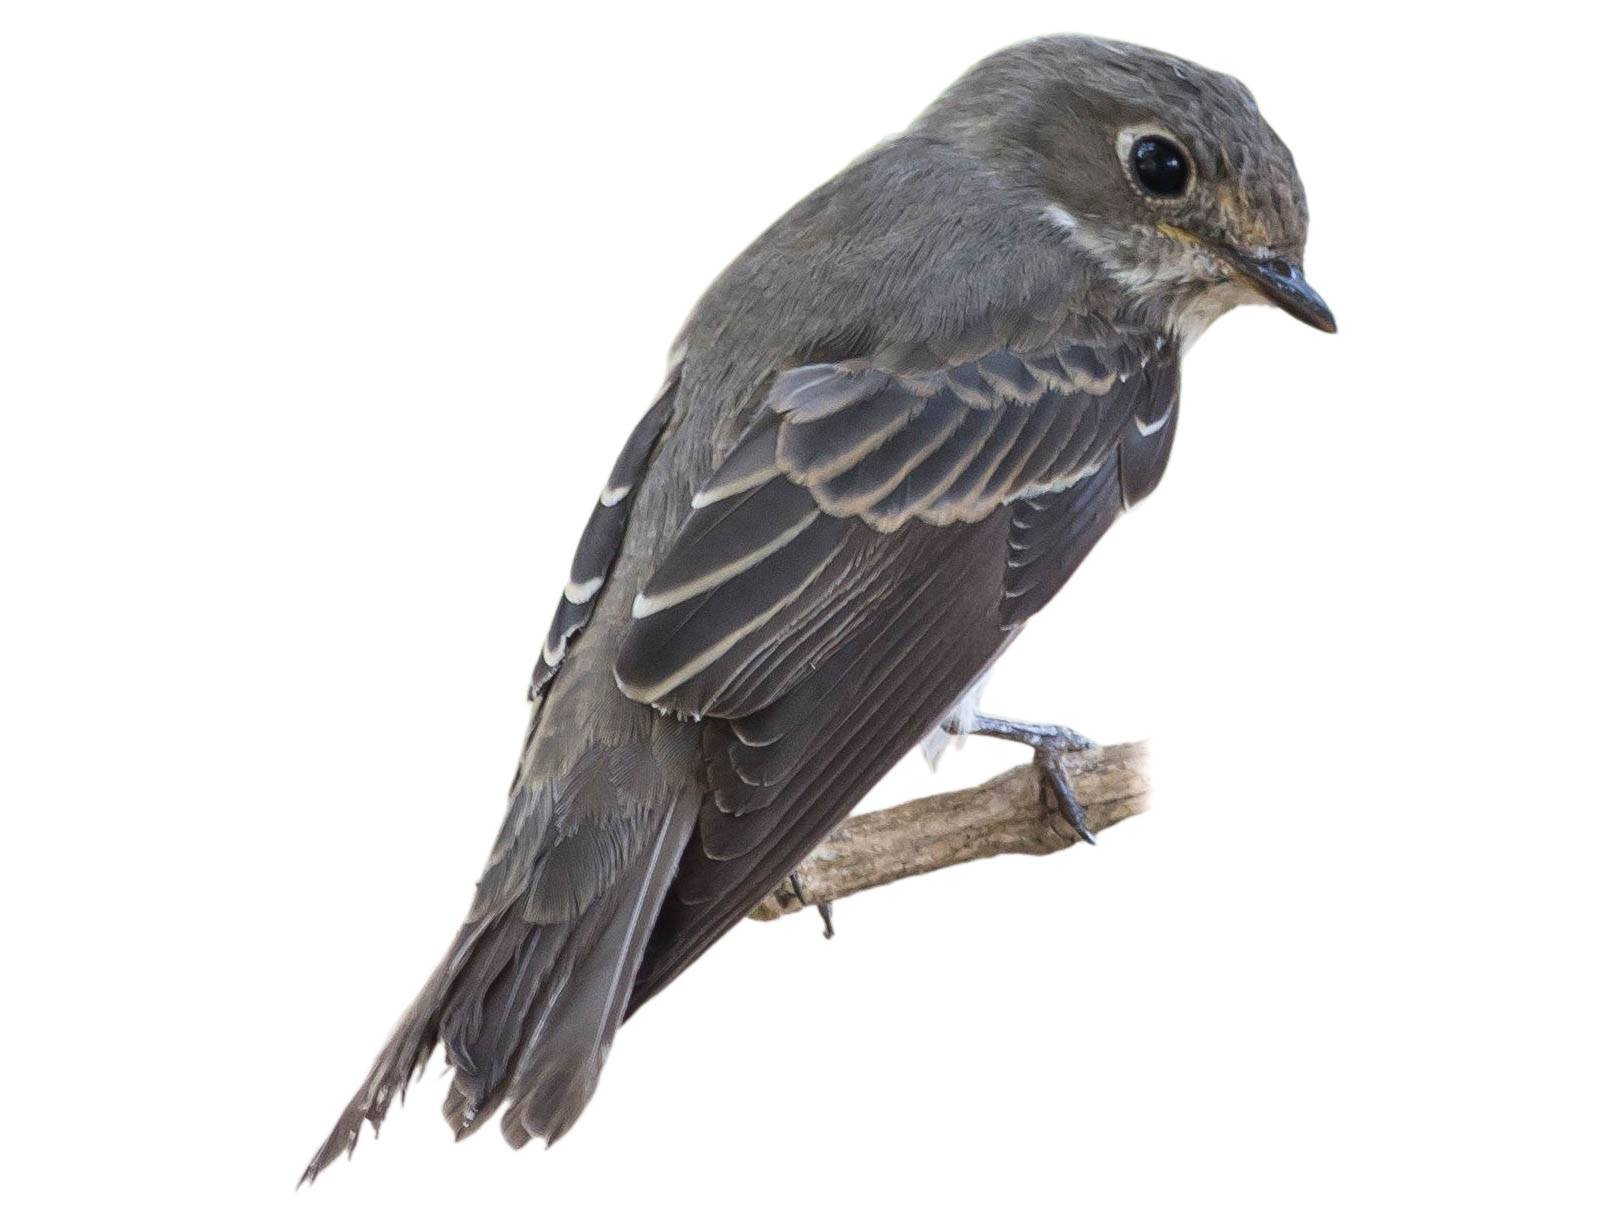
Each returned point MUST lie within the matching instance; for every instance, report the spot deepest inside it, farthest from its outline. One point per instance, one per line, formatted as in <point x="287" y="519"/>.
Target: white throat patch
<point x="1143" y="266"/>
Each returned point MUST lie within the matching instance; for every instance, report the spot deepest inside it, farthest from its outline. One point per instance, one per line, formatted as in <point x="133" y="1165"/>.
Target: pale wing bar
<point x="599" y="544"/>
<point x="770" y="538"/>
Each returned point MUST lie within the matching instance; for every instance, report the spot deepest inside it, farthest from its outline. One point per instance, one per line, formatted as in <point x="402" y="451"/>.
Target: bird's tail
<point x="526" y="1010"/>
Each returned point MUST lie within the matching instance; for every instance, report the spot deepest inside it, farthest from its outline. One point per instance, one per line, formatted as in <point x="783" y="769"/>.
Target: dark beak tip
<point x="1284" y="285"/>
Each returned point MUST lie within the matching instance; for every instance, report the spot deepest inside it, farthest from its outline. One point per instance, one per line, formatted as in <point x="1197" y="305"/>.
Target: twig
<point x="1005" y="814"/>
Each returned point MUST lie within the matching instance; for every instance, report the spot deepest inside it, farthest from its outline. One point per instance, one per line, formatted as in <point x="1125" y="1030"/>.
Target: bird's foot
<point x="825" y="909"/>
<point x="1050" y="744"/>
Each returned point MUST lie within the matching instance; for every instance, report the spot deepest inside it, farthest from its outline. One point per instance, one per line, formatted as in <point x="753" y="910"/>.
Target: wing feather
<point x="770" y="554"/>
<point x="858" y="562"/>
<point x="604" y="531"/>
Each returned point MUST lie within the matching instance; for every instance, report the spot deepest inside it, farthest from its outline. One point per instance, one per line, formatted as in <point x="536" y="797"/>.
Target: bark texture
<point x="1009" y="813"/>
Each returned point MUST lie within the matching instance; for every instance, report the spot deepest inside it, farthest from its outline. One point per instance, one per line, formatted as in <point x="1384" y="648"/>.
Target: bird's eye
<point x="1162" y="169"/>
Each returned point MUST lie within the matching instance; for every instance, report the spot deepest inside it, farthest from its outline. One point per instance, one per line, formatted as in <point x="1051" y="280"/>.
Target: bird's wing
<point x="598" y="546"/>
<point x="853" y="566"/>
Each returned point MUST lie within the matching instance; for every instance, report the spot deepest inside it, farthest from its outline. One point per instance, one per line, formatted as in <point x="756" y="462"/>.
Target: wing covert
<point x="776" y="546"/>
<point x="859" y="560"/>
<point x="599" y="544"/>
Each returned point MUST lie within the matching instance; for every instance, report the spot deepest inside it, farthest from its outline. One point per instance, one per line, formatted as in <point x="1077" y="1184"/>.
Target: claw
<point x="1053" y="777"/>
<point x="1049" y="744"/>
<point x="824" y="908"/>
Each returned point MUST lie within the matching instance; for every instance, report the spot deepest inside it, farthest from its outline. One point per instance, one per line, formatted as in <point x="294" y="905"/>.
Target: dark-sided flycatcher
<point x="891" y="431"/>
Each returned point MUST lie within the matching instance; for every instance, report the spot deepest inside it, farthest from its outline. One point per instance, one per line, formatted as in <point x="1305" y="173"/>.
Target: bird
<point x="891" y="430"/>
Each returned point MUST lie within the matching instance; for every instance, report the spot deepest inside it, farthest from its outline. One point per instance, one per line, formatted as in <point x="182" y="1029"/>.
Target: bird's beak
<point x="1278" y="279"/>
<point x="1283" y="283"/>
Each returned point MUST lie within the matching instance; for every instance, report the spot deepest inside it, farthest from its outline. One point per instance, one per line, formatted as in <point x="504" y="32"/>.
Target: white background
<point x="320" y="325"/>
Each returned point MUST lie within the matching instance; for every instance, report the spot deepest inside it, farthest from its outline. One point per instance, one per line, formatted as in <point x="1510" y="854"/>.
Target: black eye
<point x="1160" y="166"/>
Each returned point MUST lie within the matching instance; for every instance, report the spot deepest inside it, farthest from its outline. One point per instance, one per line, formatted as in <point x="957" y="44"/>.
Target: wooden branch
<point x="1006" y="814"/>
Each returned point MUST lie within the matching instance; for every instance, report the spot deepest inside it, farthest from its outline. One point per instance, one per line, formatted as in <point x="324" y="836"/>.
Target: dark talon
<point x="824" y="908"/>
<point x="1049" y="744"/>
<point x="1056" y="779"/>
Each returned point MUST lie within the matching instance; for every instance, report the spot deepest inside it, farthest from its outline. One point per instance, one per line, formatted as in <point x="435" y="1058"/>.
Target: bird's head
<point x="1162" y="171"/>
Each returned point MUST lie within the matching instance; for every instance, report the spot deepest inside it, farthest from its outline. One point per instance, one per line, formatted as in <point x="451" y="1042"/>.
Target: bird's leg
<point x="1050" y="744"/>
<point x="824" y="908"/>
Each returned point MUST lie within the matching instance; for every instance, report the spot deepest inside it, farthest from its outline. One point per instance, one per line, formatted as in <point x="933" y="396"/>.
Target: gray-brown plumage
<point x="892" y="429"/>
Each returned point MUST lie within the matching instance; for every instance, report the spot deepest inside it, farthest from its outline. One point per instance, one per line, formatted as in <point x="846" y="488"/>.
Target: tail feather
<point x="482" y="1083"/>
<point x="403" y="1059"/>
<point x="484" y="1061"/>
<point x="492" y="964"/>
<point x="564" y="1055"/>
<point x="526" y="1010"/>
